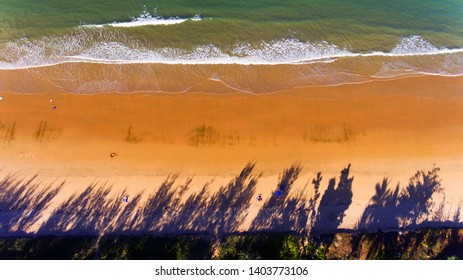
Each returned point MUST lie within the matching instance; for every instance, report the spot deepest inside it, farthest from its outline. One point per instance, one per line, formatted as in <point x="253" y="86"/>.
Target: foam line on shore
<point x="49" y="51"/>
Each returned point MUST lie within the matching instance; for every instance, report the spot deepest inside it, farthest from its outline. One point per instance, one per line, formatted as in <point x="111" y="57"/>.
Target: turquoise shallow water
<point x="365" y="37"/>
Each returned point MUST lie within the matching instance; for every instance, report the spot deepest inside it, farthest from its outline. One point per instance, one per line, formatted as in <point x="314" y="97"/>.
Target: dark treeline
<point x="423" y="244"/>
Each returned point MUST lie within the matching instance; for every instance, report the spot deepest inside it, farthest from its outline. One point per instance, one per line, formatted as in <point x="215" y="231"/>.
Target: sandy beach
<point x="183" y="158"/>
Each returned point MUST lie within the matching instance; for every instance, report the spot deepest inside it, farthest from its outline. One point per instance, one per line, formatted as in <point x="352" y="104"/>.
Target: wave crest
<point x="112" y="47"/>
<point x="144" y="19"/>
<point x="415" y="45"/>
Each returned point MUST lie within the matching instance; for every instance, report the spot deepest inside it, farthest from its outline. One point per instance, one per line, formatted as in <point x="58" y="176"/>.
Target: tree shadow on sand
<point x="92" y="212"/>
<point x="334" y="204"/>
<point x="406" y="209"/>
<point x="227" y="208"/>
<point x="383" y="209"/>
<point x="96" y="211"/>
<point x="155" y="213"/>
<point x="325" y="220"/>
<point x="219" y="213"/>
<point x="281" y="212"/>
<point x="297" y="214"/>
<point x="23" y="202"/>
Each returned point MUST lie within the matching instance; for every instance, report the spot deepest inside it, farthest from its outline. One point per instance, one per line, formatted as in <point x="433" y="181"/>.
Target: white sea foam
<point x="288" y="51"/>
<point x="413" y="45"/>
<point x="112" y="49"/>
<point x="144" y="22"/>
<point x="196" y="17"/>
<point x="145" y="19"/>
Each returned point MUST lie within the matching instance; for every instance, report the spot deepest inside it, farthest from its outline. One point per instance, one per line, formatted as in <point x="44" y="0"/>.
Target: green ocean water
<point x="361" y="25"/>
<point x="391" y="37"/>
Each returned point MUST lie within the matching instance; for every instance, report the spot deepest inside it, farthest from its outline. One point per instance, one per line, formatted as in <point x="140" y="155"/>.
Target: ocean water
<point x="258" y="46"/>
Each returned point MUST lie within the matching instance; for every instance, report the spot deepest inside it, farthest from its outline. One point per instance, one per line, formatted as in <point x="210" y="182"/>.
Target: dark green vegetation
<point x="446" y="244"/>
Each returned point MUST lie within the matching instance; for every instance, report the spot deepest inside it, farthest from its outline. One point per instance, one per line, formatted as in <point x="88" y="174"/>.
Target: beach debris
<point x="125" y="199"/>
<point x="54" y="107"/>
<point x="113" y="155"/>
<point x="259" y="197"/>
<point x="1" y="98"/>
<point x="278" y="193"/>
<point x="51" y="100"/>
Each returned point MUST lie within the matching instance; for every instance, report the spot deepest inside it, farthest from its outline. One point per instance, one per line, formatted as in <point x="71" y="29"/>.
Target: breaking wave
<point x="144" y="19"/>
<point x="52" y="50"/>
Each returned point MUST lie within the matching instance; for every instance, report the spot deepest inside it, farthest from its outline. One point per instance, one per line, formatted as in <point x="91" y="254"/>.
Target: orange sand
<point x="383" y="128"/>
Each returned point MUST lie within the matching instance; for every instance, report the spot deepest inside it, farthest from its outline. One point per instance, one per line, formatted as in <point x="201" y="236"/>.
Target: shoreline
<point x="96" y="77"/>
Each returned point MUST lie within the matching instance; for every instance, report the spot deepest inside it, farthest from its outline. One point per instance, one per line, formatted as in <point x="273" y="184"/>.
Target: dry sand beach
<point x="194" y="162"/>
